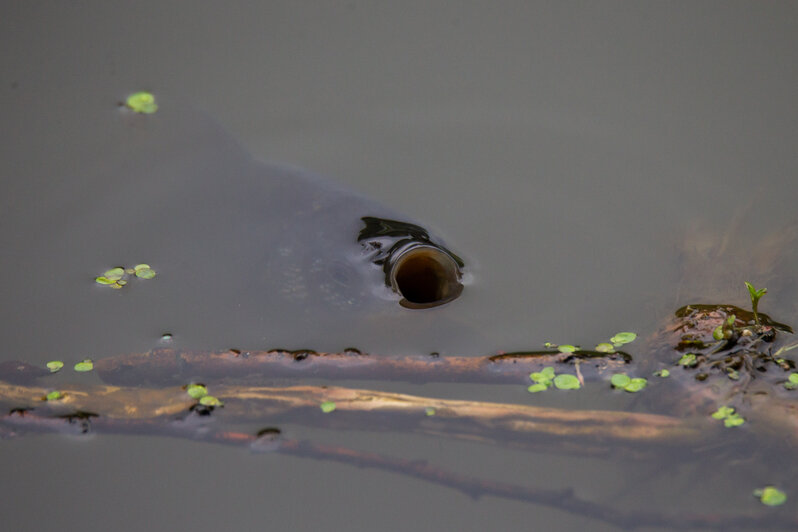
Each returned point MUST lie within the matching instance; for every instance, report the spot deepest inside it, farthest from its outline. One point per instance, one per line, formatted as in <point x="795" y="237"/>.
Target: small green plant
<point x="429" y="411"/>
<point x="84" y="366"/>
<point x="327" y="407"/>
<point x="770" y="496"/>
<point x="622" y="381"/>
<point x="117" y="277"/>
<point x="756" y="295"/>
<point x="792" y="382"/>
<point x="546" y="378"/>
<point x="55" y="365"/>
<point x="729" y="416"/>
<point x="142" y="102"/>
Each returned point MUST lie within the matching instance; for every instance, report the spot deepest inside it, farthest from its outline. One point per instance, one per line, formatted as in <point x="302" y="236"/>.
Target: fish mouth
<point x="425" y="276"/>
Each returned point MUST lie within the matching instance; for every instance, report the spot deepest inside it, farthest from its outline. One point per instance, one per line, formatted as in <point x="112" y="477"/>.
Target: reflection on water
<point x="564" y="154"/>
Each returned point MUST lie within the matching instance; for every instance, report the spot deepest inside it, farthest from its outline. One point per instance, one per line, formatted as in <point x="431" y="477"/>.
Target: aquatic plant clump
<point x="118" y="277"/>
<point x="142" y="102"/>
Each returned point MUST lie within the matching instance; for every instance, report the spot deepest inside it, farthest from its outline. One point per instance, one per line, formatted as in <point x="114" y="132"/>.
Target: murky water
<point x="564" y="152"/>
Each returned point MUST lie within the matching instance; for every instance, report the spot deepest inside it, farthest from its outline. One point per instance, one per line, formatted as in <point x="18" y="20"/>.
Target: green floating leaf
<point x="54" y="365"/>
<point x="104" y="280"/>
<point x="209" y="400"/>
<point x="429" y="411"/>
<point x="623" y="338"/>
<point x="142" y="102"/>
<point x="729" y="416"/>
<point x="196" y="391"/>
<point x="688" y="360"/>
<point x="734" y="420"/>
<point x="793" y="378"/>
<point x="55" y="395"/>
<point x="637" y="384"/>
<point x="543" y="376"/>
<point x="327" y="407"/>
<point x="604" y="347"/>
<point x="566" y="382"/>
<point x="549" y="345"/>
<point x="723" y="412"/>
<point x="114" y="274"/>
<point x="664" y="373"/>
<point x="771" y="496"/>
<point x="620" y="380"/>
<point x="143" y="271"/>
<point x="567" y="348"/>
<point x="539" y="387"/>
<point x="624" y="382"/>
<point x="86" y="365"/>
<point x="717" y="333"/>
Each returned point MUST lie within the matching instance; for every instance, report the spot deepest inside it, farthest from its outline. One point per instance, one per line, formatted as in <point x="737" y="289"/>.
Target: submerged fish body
<point x="237" y="244"/>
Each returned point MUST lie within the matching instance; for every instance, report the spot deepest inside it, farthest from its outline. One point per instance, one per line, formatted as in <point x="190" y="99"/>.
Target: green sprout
<point x="729" y="416"/>
<point x="142" y="102"/>
<point x="622" y="381"/>
<point x="770" y="496"/>
<point x="664" y="373"/>
<point x="756" y="295"/>
<point x="85" y="365"/>
<point x="327" y="407"/>
<point x="55" y="365"/>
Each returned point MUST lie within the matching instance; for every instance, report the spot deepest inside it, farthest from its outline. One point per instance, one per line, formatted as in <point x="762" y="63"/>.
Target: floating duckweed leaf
<point x="544" y="376"/>
<point x="539" y="387"/>
<point x="143" y="271"/>
<point x="566" y="382"/>
<point x="209" y="400"/>
<point x="429" y="411"/>
<point x="662" y="373"/>
<point x="104" y="280"/>
<point x="114" y="274"/>
<point x="121" y="282"/>
<point x="327" y="407"/>
<point x="54" y="365"/>
<point x="620" y="380"/>
<point x="55" y="395"/>
<point x="793" y="378"/>
<point x="636" y="384"/>
<point x="770" y="496"/>
<point x="567" y="348"/>
<point x="723" y="412"/>
<point x="549" y="345"/>
<point x="734" y="420"/>
<point x="687" y="360"/>
<point x="86" y="365"/>
<point x="130" y="271"/>
<point x="626" y="383"/>
<point x="142" y="102"/>
<point x="729" y="416"/>
<point x="604" y="347"/>
<point x="623" y="338"/>
<point x="196" y="391"/>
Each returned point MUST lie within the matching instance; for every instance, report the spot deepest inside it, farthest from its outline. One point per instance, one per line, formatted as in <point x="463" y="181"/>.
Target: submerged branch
<point x="523" y="426"/>
<point x="169" y="366"/>
<point x="20" y="423"/>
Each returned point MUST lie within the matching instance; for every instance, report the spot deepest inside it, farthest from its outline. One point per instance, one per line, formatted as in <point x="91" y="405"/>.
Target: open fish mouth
<point x="424" y="273"/>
